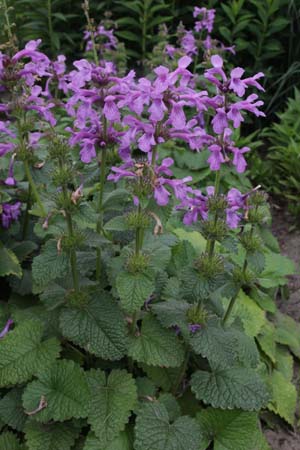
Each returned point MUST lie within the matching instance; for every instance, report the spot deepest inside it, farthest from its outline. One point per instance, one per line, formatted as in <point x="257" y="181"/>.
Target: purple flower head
<point x="239" y="86"/>
<point x="216" y="157"/>
<point x="5" y="330"/>
<point x="238" y="158"/>
<point x="10" y="212"/>
<point x="233" y="218"/>
<point x="194" y="327"/>
<point x="207" y="19"/>
<point x="188" y="43"/>
<point x="10" y="180"/>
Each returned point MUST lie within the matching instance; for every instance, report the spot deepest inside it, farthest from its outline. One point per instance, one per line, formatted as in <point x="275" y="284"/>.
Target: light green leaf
<point x="229" y="430"/>
<point x="134" y="289"/>
<point x="22" y="354"/>
<point x="153" y="430"/>
<point x="156" y="346"/>
<point x="288" y="333"/>
<point x="193" y="237"/>
<point x="9" y="264"/>
<point x="251" y="315"/>
<point x="54" y="436"/>
<point x="230" y="388"/>
<point x="284" y="397"/>
<point x="48" y="266"/>
<point x="65" y="390"/>
<point x="267" y="341"/>
<point x="99" y="327"/>
<point x="284" y="362"/>
<point x="113" y="398"/>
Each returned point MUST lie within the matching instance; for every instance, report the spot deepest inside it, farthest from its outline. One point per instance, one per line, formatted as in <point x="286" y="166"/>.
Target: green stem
<point x="230" y="306"/>
<point x="34" y="188"/>
<point x="210" y="244"/>
<point x="8" y="25"/>
<point x="26" y="217"/>
<point x="99" y="208"/>
<point x="181" y="373"/>
<point x="73" y="257"/>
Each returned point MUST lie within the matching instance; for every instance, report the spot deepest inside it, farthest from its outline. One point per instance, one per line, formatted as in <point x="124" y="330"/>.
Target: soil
<point x="282" y="438"/>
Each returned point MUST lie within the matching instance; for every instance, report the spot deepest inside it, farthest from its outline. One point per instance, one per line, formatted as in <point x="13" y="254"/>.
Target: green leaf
<point x="22" y="354"/>
<point x="55" y="436"/>
<point x="224" y="347"/>
<point x="117" y="223"/>
<point x="193" y="237"/>
<point x="251" y="315"/>
<point x="9" y="264"/>
<point x="122" y="442"/>
<point x="48" y="266"/>
<point x="99" y="327"/>
<point x="65" y="390"/>
<point x="284" y="362"/>
<point x="113" y="398"/>
<point x="23" y="249"/>
<point x="267" y="341"/>
<point x="153" y="430"/>
<point x="162" y="377"/>
<point x="276" y="269"/>
<point x="171" y="313"/>
<point x="134" y="289"/>
<point x="230" y="388"/>
<point x="156" y="346"/>
<point x="229" y="430"/>
<point x="11" y="409"/>
<point x="9" y="441"/>
<point x="284" y="397"/>
<point x="287" y="332"/>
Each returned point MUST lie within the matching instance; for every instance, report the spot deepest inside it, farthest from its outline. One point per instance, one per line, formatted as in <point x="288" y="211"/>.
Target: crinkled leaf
<point x="134" y="289"/>
<point x="122" y="442"/>
<point x="48" y="266"/>
<point x="23" y="354"/>
<point x="11" y="409"/>
<point x="229" y="430"/>
<point x="156" y="346"/>
<point x="288" y="333"/>
<point x="9" y="264"/>
<point x="162" y="377"/>
<point x="65" y="390"/>
<point x="230" y="388"/>
<point x="153" y="430"/>
<point x="113" y="398"/>
<point x="171" y="313"/>
<point x="55" y="436"/>
<point x="284" y="397"/>
<point x="284" y="362"/>
<point x="267" y="341"/>
<point x="9" y="441"/>
<point x="98" y="327"/>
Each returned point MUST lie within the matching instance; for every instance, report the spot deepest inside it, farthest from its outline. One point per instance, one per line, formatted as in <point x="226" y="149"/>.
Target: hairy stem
<point x="230" y="307"/>
<point x="34" y="189"/>
<point x="210" y="244"/>
<point x="99" y="208"/>
<point x="26" y="216"/>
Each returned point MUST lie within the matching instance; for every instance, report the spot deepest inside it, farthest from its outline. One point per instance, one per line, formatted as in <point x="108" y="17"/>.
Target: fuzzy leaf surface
<point x="11" y="409"/>
<point x="48" y="266"/>
<point x="113" y="399"/>
<point x="284" y="397"/>
<point x="9" y="441"/>
<point x="229" y="430"/>
<point x="156" y="346"/>
<point x="23" y="354"/>
<point x="98" y="327"/>
<point x="153" y="430"/>
<point x="65" y="389"/>
<point x="50" y="437"/>
<point x="122" y="442"/>
<point x="230" y="388"/>
<point x="134" y="289"/>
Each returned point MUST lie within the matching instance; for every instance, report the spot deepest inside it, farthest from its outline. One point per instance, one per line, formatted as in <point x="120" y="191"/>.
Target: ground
<point x="283" y="438"/>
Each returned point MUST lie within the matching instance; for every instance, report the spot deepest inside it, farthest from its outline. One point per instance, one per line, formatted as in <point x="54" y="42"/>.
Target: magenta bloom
<point x="5" y="330"/>
<point x="216" y="157"/>
<point x="10" y="213"/>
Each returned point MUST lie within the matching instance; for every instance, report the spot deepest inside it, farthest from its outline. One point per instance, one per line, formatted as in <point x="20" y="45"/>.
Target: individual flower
<point x="6" y="328"/>
<point x="10" y="213"/>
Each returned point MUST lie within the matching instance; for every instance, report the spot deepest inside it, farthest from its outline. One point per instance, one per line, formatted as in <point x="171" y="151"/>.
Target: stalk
<point x="210" y="244"/>
<point x="34" y="188"/>
<point x="73" y="257"/>
<point x="230" y="307"/>
<point x="86" y="8"/>
<point x="8" y="24"/>
<point x="99" y="208"/>
<point x="26" y="217"/>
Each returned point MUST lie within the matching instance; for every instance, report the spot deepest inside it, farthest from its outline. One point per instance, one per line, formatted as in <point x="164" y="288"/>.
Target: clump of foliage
<point x="139" y="310"/>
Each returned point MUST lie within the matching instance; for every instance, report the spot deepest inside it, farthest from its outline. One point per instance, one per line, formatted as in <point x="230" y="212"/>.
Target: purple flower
<point x="220" y="121"/>
<point x="5" y="330"/>
<point x="207" y="20"/>
<point x="194" y="327"/>
<point x="216" y="158"/>
<point x="233" y="218"/>
<point x="238" y="159"/>
<point x="10" y="212"/>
